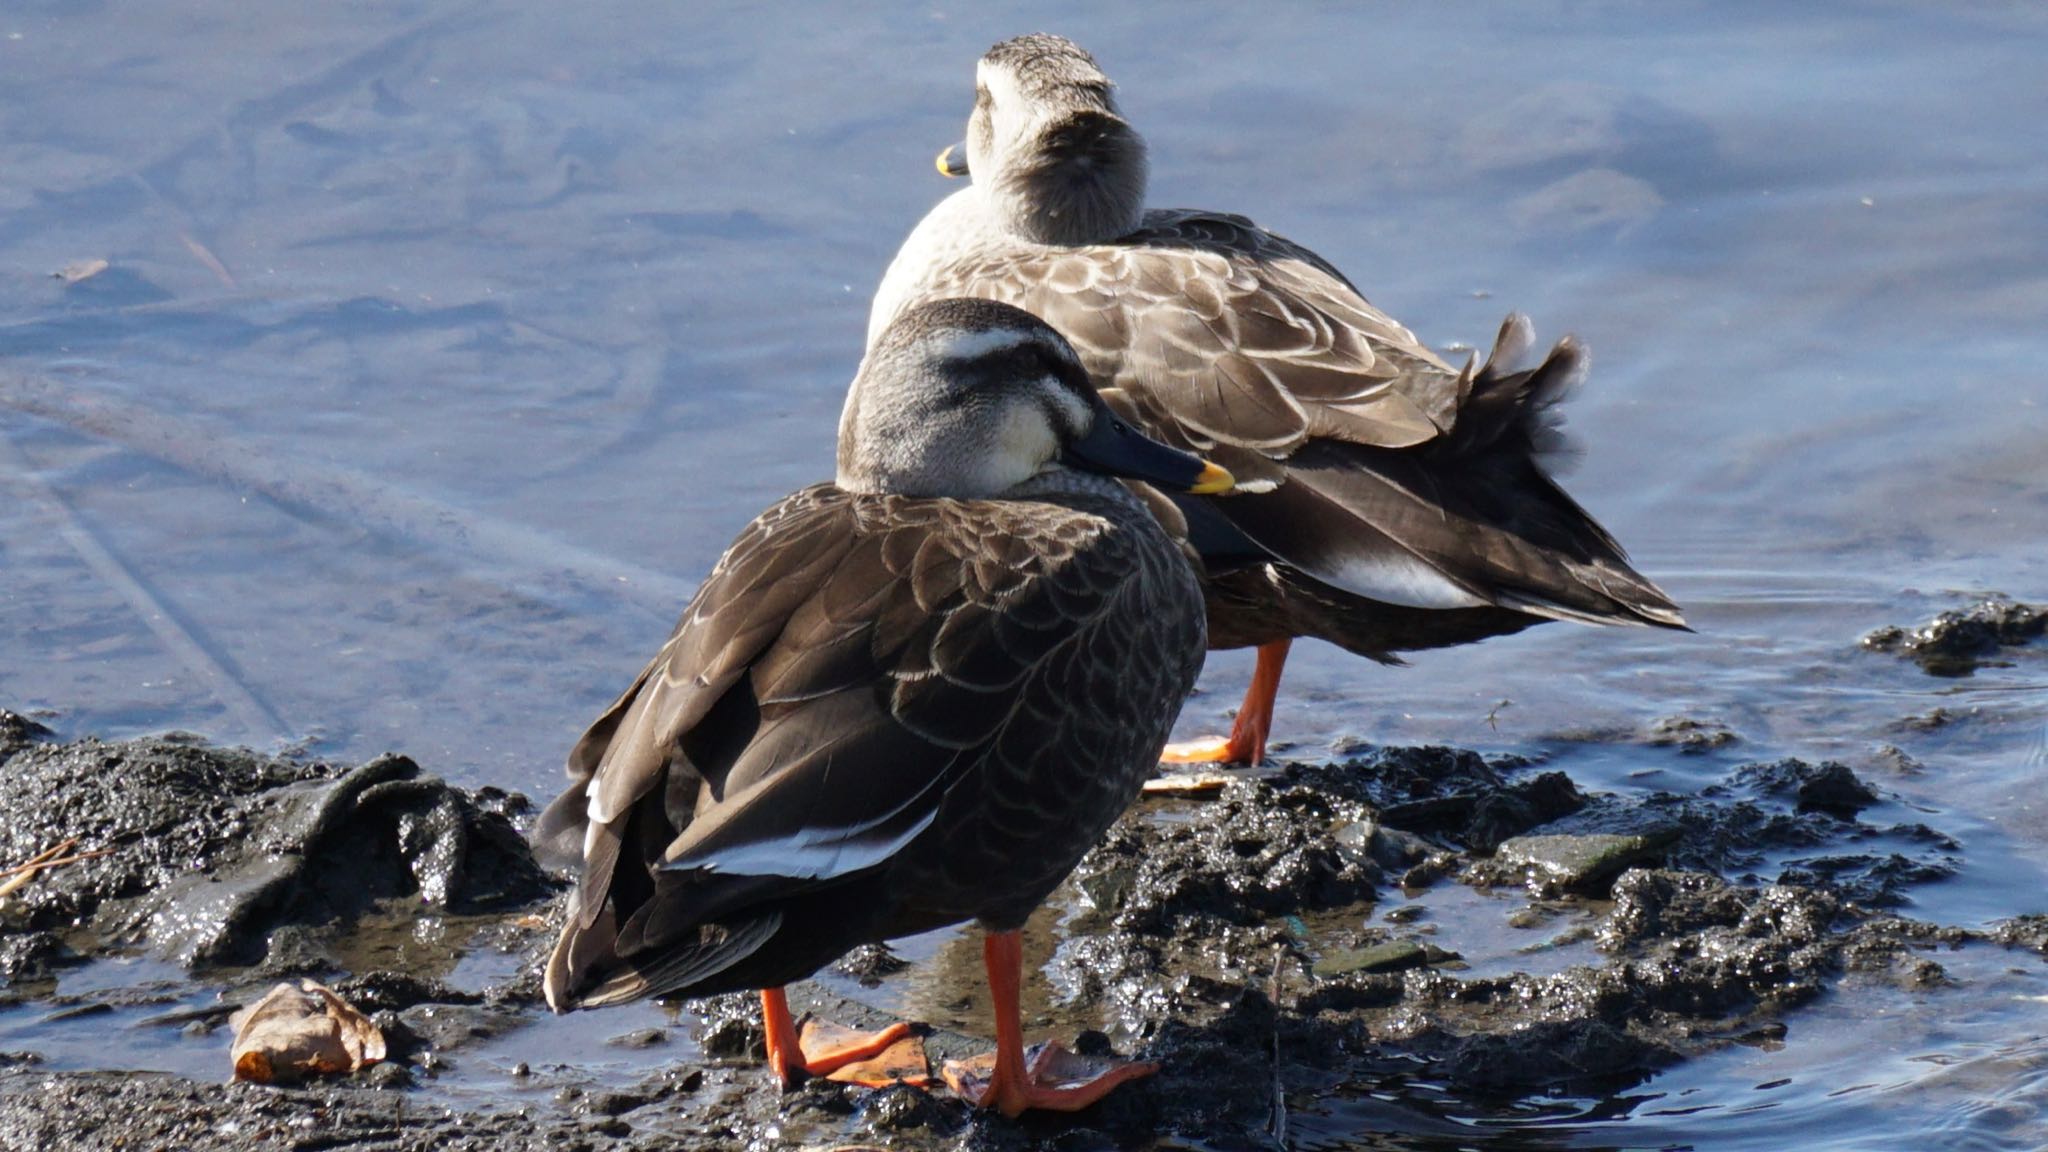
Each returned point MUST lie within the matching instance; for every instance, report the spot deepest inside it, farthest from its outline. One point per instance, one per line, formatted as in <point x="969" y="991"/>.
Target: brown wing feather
<point x="1241" y="337"/>
<point x="835" y="675"/>
<point x="1217" y="336"/>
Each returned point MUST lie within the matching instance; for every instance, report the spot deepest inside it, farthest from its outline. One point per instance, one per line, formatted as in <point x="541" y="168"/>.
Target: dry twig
<point x="19" y="876"/>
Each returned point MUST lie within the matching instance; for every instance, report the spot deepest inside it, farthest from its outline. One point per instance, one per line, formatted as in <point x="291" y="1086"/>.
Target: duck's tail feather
<point x="587" y="971"/>
<point x="1473" y="519"/>
<point x="1516" y="410"/>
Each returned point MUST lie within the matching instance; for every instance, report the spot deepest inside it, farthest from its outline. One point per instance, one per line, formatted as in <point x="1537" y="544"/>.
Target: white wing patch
<point x="1395" y="578"/>
<point x="814" y="854"/>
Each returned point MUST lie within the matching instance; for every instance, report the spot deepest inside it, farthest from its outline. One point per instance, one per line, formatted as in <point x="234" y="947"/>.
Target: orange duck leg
<point x="1246" y="743"/>
<point x="1050" y="1077"/>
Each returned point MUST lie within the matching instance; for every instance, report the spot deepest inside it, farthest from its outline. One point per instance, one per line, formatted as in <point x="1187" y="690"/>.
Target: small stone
<point x="389" y="1074"/>
<point x="1582" y="863"/>
<point x="731" y="1038"/>
<point x="643" y="1038"/>
<point x="1392" y="848"/>
<point x="1834" y="789"/>
<point x="903" y="1108"/>
<point x="1093" y="1042"/>
<point x="870" y="964"/>
<point x="1428" y="872"/>
<point x="613" y="1103"/>
<point x="1689" y="735"/>
<point x="1392" y="956"/>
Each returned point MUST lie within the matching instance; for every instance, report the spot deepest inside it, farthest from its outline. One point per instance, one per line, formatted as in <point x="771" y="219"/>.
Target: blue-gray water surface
<point x="439" y="348"/>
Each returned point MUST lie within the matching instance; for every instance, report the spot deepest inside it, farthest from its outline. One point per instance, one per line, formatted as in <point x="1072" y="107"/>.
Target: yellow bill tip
<point x="948" y="165"/>
<point x="1212" y="481"/>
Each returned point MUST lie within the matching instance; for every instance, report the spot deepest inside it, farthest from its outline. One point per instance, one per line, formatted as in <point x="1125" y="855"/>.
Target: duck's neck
<point x="1084" y="184"/>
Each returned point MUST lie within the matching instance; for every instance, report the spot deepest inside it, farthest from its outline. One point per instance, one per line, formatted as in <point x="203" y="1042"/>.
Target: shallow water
<point x="440" y="348"/>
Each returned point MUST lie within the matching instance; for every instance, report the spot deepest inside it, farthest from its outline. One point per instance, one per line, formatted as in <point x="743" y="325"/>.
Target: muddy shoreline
<point x="1287" y="946"/>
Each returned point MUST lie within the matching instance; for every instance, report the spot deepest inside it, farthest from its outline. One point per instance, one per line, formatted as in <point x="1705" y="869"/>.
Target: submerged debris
<point x="1958" y="642"/>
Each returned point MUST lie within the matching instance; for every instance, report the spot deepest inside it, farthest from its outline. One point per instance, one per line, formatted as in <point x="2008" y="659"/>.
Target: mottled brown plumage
<point x="884" y="713"/>
<point x="1387" y="501"/>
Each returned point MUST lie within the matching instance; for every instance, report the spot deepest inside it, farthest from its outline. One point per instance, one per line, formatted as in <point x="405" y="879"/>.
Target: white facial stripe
<point x="962" y="344"/>
<point x="1002" y="88"/>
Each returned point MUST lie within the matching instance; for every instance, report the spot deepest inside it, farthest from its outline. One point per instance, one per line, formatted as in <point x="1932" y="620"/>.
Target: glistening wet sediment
<point x="1288" y="950"/>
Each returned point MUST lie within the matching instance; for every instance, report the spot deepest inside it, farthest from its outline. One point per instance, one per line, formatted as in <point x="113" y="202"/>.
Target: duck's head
<point x="1046" y="144"/>
<point x="970" y="398"/>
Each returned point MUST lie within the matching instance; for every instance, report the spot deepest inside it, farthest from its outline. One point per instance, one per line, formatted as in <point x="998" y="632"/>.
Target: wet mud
<point x="1290" y="945"/>
<point x="215" y="856"/>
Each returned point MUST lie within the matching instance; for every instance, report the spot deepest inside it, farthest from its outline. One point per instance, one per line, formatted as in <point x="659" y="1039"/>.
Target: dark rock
<point x="732" y="1027"/>
<point x="18" y="732"/>
<point x="870" y="964"/>
<point x="31" y="956"/>
<point x="1554" y="1057"/>
<point x="1260" y="849"/>
<point x="1514" y="810"/>
<point x="904" y="1108"/>
<point x="1689" y="735"/>
<point x="1897" y="761"/>
<point x="611" y="1104"/>
<point x="1652" y="905"/>
<point x="1932" y="720"/>
<point x="388" y="1074"/>
<point x="1875" y="880"/>
<point x="1825" y="787"/>
<point x="2029" y="932"/>
<point x="1958" y="642"/>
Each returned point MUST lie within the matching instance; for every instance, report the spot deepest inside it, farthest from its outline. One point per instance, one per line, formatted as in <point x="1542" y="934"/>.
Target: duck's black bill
<point x="1115" y="448"/>
<point x="953" y="161"/>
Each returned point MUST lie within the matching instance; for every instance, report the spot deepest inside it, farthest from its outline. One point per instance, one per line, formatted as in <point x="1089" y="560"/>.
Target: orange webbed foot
<point x="893" y="1055"/>
<point x="1214" y="750"/>
<point x="1053" y="1079"/>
